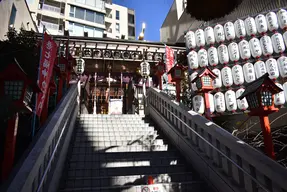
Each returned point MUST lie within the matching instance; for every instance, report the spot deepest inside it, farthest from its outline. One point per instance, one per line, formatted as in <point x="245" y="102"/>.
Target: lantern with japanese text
<point x="211" y="103"/>
<point x="266" y="45"/>
<point x="285" y="90"/>
<point x="229" y="31"/>
<point x="282" y="66"/>
<point x="160" y="70"/>
<point x="230" y="100"/>
<point x="226" y="75"/>
<point x="199" y="38"/>
<point x="261" y="24"/>
<point x="192" y="77"/>
<point x="204" y="84"/>
<point x="282" y="18"/>
<point x="217" y="82"/>
<point x="249" y="72"/>
<point x="212" y="56"/>
<point x="250" y="26"/>
<point x="219" y="102"/>
<point x="190" y="40"/>
<point x="219" y="33"/>
<point x="272" y="68"/>
<point x="272" y="21"/>
<point x="233" y="52"/>
<point x="237" y="75"/>
<point x="192" y="60"/>
<point x="80" y="66"/>
<point x="144" y="69"/>
<point x="260" y="69"/>
<point x="278" y="43"/>
<point x="209" y="36"/>
<point x="239" y="28"/>
<point x="241" y="103"/>
<point x="177" y="74"/>
<point x="255" y="47"/>
<point x="202" y="58"/>
<point x="279" y="98"/>
<point x="285" y="38"/>
<point x="223" y="56"/>
<point x="260" y="98"/>
<point x="198" y="104"/>
<point x="244" y="49"/>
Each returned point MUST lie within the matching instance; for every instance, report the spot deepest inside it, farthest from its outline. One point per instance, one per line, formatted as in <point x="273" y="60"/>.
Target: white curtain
<point x="78" y="30"/>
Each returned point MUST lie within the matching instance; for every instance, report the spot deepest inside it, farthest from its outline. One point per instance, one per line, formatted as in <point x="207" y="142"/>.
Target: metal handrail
<point x="221" y="153"/>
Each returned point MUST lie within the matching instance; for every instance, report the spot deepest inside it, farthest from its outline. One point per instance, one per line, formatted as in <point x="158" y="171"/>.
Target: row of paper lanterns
<point x="220" y="102"/>
<point x="250" y="26"/>
<point x="237" y="75"/>
<point x="233" y="52"/>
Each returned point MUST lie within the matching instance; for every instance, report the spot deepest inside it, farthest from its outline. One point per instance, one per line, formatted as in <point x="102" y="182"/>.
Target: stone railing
<point x="41" y="170"/>
<point x="225" y="162"/>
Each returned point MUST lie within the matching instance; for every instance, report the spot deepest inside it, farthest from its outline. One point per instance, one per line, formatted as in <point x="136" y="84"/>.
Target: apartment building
<point x="15" y="14"/>
<point x="98" y="18"/>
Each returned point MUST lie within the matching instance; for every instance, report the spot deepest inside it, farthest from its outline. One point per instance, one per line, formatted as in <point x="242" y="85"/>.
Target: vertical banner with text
<point x="48" y="55"/>
<point x="169" y="60"/>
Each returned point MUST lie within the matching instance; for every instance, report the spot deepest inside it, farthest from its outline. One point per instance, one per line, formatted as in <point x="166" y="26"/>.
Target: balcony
<point x="51" y="8"/>
<point x="109" y="19"/>
<point x="51" y="28"/>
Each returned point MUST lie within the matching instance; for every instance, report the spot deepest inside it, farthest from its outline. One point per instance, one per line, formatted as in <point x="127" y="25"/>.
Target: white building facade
<point x="15" y="14"/>
<point x="98" y="18"/>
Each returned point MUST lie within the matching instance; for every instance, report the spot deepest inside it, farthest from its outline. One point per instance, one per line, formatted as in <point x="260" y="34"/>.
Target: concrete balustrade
<point x="223" y="160"/>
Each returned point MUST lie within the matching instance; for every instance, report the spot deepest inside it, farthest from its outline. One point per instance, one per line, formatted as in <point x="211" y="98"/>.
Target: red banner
<point x="49" y="50"/>
<point x="169" y="60"/>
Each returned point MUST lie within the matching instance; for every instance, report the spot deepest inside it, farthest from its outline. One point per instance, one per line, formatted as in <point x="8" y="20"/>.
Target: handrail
<point x="262" y="164"/>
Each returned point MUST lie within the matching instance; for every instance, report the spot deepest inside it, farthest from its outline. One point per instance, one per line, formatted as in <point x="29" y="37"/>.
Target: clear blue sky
<point x="152" y="12"/>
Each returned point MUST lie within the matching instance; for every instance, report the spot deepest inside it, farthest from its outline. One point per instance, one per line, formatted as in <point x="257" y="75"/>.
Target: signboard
<point x="169" y="61"/>
<point x="49" y="50"/>
<point x="115" y="106"/>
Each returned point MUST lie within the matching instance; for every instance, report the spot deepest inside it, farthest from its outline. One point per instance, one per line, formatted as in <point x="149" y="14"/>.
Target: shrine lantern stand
<point x="260" y="98"/>
<point x="177" y="74"/>
<point x="159" y="71"/>
<point x="204" y="84"/>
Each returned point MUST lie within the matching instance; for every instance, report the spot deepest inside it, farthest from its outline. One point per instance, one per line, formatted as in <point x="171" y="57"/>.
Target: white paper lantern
<point x="249" y="72"/>
<point x="226" y="75"/>
<point x="212" y="56"/>
<point x="282" y="18"/>
<point x="260" y="69"/>
<point x="282" y="66"/>
<point x="237" y="75"/>
<point x="250" y="26"/>
<point x="209" y="35"/>
<point x="219" y="33"/>
<point x="285" y="90"/>
<point x="192" y="77"/>
<point x="190" y="40"/>
<point x="199" y="38"/>
<point x="192" y="60"/>
<point x="230" y="100"/>
<point x="211" y="103"/>
<point x="261" y="23"/>
<point x="244" y="49"/>
<point x="198" y="104"/>
<point x="272" y="21"/>
<point x="242" y="104"/>
<point x="233" y="51"/>
<point x="285" y="37"/>
<point x="266" y="45"/>
<point x="279" y="98"/>
<point x="278" y="43"/>
<point x="202" y="58"/>
<point x="239" y="28"/>
<point x="217" y="82"/>
<point x="219" y="102"/>
<point x="229" y="31"/>
<point x="223" y="56"/>
<point x="272" y="68"/>
<point x="255" y="47"/>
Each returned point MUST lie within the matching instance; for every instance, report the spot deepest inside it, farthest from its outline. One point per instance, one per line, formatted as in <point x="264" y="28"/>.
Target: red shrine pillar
<point x="265" y="126"/>
<point x="207" y="107"/>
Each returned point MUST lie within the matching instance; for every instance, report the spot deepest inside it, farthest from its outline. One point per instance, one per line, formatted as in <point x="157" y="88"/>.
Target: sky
<point x="152" y="12"/>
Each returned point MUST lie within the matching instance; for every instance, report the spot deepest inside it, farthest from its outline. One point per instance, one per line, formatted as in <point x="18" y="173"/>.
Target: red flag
<point x="169" y="61"/>
<point x="48" y="55"/>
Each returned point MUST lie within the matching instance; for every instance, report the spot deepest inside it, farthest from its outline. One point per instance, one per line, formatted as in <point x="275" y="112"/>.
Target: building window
<point x="12" y="16"/>
<point x="117" y="15"/>
<point x="77" y="29"/>
<point x="87" y="15"/>
<point x="100" y="4"/>
<point x="117" y="27"/>
<point x="131" y="19"/>
<point x="131" y="31"/>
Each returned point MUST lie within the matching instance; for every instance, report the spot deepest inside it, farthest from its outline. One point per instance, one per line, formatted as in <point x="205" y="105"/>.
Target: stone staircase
<point x="113" y="153"/>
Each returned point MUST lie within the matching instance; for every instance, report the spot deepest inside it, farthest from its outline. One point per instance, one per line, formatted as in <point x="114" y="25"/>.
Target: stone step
<point x="108" y="157"/>
<point x="128" y="148"/>
<point x="119" y="171"/>
<point x="104" y="129"/>
<point x="78" y="182"/>
<point x="192" y="186"/>
<point x="120" y="138"/>
<point x="96" y="142"/>
<point x="114" y="132"/>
